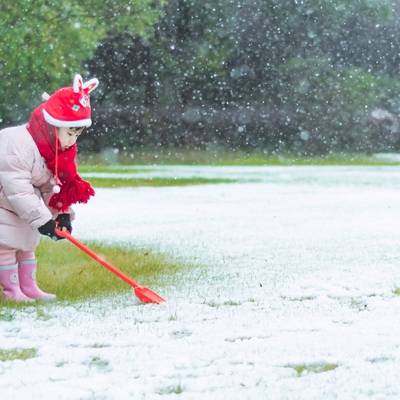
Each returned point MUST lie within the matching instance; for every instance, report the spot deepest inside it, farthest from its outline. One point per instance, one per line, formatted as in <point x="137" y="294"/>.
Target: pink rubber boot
<point x="27" y="281"/>
<point x="10" y="284"/>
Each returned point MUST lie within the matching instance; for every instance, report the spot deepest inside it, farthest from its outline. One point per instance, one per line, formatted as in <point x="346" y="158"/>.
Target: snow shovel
<point x="144" y="294"/>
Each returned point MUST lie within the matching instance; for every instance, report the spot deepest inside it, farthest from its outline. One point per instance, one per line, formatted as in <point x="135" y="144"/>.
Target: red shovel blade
<point x="146" y="295"/>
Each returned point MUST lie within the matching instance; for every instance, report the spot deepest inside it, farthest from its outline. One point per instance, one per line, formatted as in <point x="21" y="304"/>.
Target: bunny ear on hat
<point x="91" y="84"/>
<point x="78" y="83"/>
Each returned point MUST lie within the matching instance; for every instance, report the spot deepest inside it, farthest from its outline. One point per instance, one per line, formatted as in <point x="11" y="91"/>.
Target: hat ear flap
<point x="91" y="84"/>
<point x="78" y="83"/>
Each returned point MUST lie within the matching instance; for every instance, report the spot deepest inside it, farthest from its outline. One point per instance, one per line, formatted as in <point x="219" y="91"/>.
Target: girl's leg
<point x="27" y="276"/>
<point x="9" y="280"/>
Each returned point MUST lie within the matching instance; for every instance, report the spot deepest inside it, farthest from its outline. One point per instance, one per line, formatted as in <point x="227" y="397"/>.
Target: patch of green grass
<point x="172" y="389"/>
<point x="73" y="276"/>
<point x="98" y="363"/>
<point x="396" y="291"/>
<point x="12" y="306"/>
<point x="229" y="303"/>
<point x="42" y="314"/>
<point x="221" y="157"/>
<point x="331" y="160"/>
<point x="116" y="169"/>
<point x="358" y="304"/>
<point x="7" y="315"/>
<point x="173" y="317"/>
<point x="100" y="345"/>
<point x="154" y="182"/>
<point x="316" y="368"/>
<point x="17" y="354"/>
<point x="300" y="298"/>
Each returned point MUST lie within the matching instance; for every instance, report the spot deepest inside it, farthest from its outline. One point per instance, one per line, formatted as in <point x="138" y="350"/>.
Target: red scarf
<point x="73" y="188"/>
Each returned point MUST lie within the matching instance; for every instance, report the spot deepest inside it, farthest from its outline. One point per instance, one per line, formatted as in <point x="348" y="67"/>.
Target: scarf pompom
<point x="74" y="191"/>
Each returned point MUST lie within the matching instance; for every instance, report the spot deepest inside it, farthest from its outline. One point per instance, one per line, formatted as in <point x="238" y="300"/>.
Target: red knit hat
<point x="69" y="107"/>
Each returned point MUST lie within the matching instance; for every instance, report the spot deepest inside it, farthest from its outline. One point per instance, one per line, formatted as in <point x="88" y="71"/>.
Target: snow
<point x="296" y="268"/>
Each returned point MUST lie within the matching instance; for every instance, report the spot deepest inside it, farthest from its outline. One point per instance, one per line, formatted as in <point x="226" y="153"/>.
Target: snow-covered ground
<point x="296" y="269"/>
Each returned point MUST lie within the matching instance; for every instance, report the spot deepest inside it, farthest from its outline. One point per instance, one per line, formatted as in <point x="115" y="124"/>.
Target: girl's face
<point x="68" y="137"/>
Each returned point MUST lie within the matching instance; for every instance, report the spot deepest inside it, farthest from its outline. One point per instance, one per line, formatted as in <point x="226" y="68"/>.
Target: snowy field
<point x="291" y="294"/>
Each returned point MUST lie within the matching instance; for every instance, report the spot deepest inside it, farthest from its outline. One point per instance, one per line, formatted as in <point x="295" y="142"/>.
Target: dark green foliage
<point x="328" y="107"/>
<point x="44" y="42"/>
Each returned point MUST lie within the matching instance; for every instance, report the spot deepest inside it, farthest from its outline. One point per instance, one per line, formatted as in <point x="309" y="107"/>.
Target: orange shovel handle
<point x="92" y="254"/>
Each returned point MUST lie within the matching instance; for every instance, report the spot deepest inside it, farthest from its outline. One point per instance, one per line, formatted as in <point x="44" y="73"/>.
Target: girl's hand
<point x="48" y="229"/>
<point x="64" y="221"/>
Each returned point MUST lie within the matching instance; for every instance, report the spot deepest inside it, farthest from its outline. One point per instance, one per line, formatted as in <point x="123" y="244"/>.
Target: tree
<point x="44" y="42"/>
<point x="236" y="72"/>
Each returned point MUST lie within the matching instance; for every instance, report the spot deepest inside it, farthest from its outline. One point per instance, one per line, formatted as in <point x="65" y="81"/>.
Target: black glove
<point x="48" y="229"/>
<point x="64" y="221"/>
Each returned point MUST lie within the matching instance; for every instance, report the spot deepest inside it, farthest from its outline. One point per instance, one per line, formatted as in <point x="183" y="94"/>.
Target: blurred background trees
<point x="302" y="76"/>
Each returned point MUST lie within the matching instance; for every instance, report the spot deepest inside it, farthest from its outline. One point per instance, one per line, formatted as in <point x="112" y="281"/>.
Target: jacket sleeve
<point x="16" y="180"/>
<point x="46" y="191"/>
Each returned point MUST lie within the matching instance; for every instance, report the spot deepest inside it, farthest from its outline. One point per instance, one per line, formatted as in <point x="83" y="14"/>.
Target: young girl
<point x="38" y="184"/>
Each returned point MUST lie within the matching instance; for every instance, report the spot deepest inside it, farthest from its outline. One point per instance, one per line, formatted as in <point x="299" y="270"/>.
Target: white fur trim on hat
<point x="66" y="124"/>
